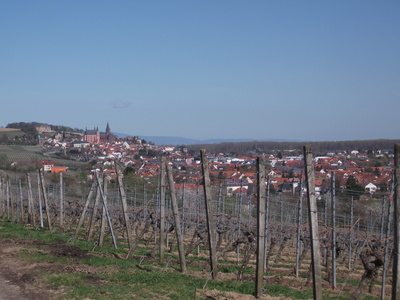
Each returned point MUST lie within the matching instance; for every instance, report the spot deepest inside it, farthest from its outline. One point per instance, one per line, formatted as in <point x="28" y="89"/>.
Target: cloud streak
<point x="120" y="104"/>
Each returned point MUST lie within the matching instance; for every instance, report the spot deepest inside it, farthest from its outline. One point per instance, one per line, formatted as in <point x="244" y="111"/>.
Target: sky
<point x="295" y="70"/>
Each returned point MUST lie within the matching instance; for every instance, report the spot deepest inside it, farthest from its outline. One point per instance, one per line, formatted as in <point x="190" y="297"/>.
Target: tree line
<point x="31" y="127"/>
<point x="295" y="148"/>
<point x="31" y="133"/>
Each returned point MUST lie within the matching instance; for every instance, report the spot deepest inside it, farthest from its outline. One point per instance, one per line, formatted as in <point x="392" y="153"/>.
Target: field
<point x="12" y="153"/>
<point x="53" y="266"/>
<point x="5" y="130"/>
<point x="11" y="132"/>
<point x="106" y="236"/>
<point x="29" y="155"/>
<point x="78" y="260"/>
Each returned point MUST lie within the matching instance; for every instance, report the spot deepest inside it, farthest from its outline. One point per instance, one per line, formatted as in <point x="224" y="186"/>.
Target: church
<point x="96" y="137"/>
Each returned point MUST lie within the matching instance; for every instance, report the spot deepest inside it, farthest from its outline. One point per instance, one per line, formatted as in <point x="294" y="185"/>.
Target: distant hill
<point x="246" y="145"/>
<point x="296" y="148"/>
<point x="170" y="140"/>
<point x="175" y="140"/>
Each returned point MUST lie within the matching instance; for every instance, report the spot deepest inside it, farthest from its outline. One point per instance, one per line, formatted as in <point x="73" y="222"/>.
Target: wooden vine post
<point x="350" y="232"/>
<point x="103" y="221"/>
<point x="211" y="227"/>
<point x="313" y="223"/>
<point x="267" y="220"/>
<point x="21" y="202"/>
<point x="83" y="214"/>
<point x="260" y="227"/>
<point x="4" y="194"/>
<point x="396" y="243"/>
<point x="31" y="216"/>
<point x="8" y="199"/>
<point x="299" y="231"/>
<point x="175" y="211"/>
<point x="386" y="251"/>
<point x="333" y="233"/>
<point x="40" y="200"/>
<point x="124" y="206"/>
<point x="2" y="206"/>
<point x="61" y="200"/>
<point x="94" y="212"/>
<point x="384" y="200"/>
<point x="183" y="209"/>
<point x="162" y="209"/>
<point x="12" y="200"/>
<point x="46" y="204"/>
<point x="105" y="208"/>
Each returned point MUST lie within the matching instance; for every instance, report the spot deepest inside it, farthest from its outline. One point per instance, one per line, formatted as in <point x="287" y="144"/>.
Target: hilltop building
<point x="96" y="137"/>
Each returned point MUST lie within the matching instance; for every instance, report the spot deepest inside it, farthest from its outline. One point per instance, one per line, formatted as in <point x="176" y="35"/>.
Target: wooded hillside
<point x="296" y="147"/>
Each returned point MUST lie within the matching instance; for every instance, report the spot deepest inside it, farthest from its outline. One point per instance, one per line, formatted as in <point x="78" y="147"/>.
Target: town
<point x="368" y="173"/>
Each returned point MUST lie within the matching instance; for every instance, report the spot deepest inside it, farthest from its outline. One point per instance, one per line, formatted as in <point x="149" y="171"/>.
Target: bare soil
<point x="21" y="279"/>
<point x="9" y="129"/>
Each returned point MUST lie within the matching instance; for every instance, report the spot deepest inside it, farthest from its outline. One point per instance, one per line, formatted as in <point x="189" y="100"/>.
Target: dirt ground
<point x="21" y="280"/>
<point x="13" y="279"/>
<point x="18" y="278"/>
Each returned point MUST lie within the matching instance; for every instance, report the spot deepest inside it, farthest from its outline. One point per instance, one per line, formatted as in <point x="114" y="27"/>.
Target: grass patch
<point x="232" y="286"/>
<point x="287" y="266"/>
<point x="42" y="257"/>
<point x="104" y="273"/>
<point x="277" y="290"/>
<point x="81" y="286"/>
<point x="197" y="258"/>
<point x="235" y="269"/>
<point x="352" y="282"/>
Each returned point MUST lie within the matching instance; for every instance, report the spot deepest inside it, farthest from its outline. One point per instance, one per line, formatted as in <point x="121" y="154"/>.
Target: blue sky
<point x="301" y="70"/>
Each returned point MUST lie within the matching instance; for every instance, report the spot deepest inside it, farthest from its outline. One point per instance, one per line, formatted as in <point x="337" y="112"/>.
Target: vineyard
<point x="11" y="132"/>
<point x="216" y="237"/>
<point x="20" y="153"/>
<point x="27" y="158"/>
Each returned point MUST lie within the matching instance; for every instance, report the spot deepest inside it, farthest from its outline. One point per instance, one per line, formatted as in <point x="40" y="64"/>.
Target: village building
<point x="47" y="165"/>
<point x="59" y="170"/>
<point x="96" y="137"/>
<point x="81" y="144"/>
